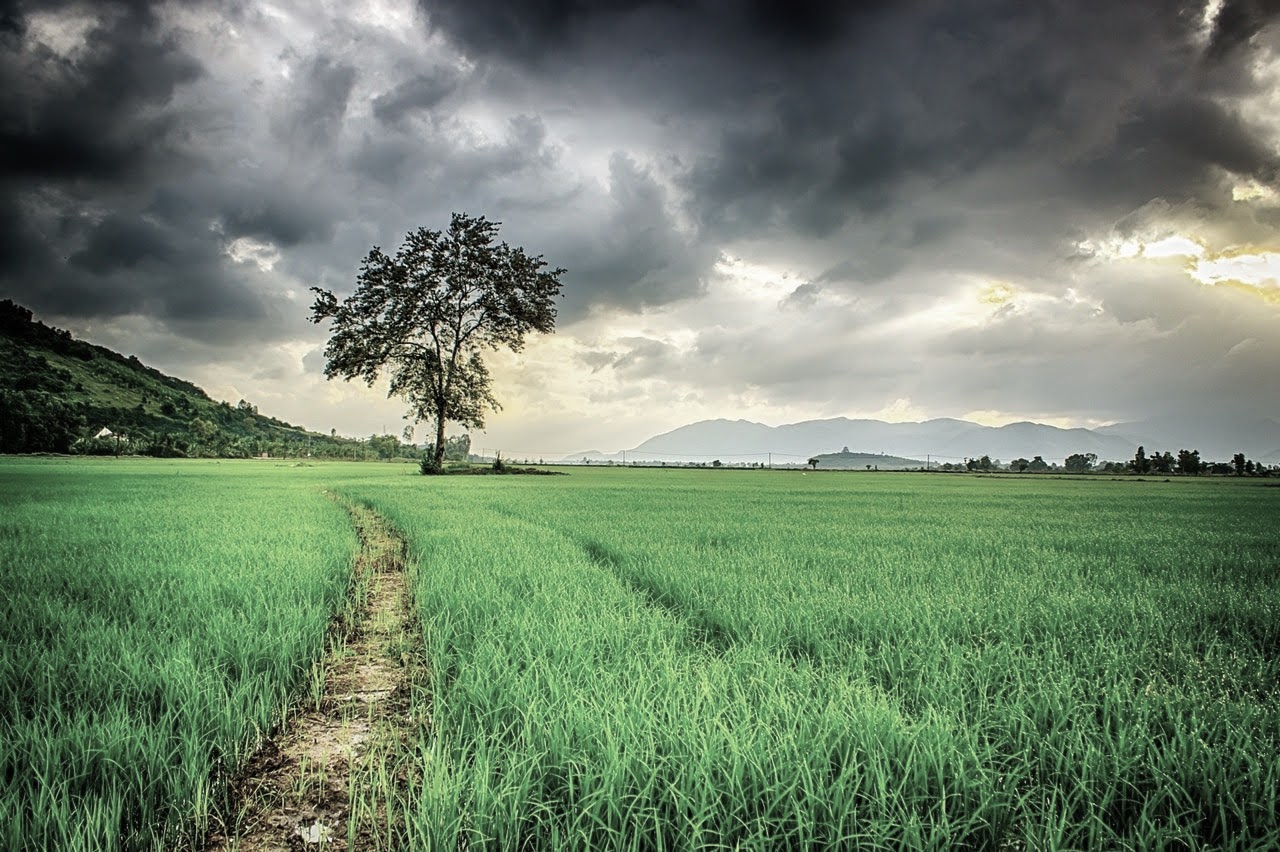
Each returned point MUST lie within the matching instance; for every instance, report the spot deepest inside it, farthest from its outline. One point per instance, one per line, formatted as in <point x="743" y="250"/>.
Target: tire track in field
<point x="335" y="776"/>
<point x="701" y="630"/>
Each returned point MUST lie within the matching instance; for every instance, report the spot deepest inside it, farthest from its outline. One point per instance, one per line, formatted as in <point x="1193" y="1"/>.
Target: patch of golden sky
<point x="1250" y="269"/>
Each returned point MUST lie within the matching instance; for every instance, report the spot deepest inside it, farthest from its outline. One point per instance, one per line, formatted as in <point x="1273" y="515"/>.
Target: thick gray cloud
<point x="1238" y="21"/>
<point x="422" y="92"/>
<point x="100" y="116"/>
<point x="194" y="167"/>
<point x="817" y="114"/>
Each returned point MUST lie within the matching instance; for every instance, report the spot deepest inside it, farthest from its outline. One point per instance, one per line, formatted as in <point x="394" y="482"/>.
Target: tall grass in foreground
<point x="155" y="619"/>
<point x="658" y="660"/>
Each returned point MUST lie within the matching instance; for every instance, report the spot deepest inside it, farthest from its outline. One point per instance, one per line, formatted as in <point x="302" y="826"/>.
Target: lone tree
<point x="425" y="315"/>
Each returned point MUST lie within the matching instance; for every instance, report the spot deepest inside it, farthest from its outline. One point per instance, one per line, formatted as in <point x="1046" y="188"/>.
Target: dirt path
<point x="332" y="778"/>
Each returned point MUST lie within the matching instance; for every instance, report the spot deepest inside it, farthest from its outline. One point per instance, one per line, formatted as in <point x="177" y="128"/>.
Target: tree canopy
<point x="425" y="315"/>
<point x="1080" y="462"/>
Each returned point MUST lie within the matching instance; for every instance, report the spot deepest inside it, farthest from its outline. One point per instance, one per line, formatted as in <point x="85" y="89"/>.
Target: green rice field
<point x="660" y="659"/>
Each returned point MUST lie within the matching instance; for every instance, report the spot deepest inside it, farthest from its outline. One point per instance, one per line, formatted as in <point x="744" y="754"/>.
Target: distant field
<point x="673" y="659"/>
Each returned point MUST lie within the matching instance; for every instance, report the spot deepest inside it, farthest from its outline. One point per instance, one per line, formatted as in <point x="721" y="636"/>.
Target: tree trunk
<point x="437" y="463"/>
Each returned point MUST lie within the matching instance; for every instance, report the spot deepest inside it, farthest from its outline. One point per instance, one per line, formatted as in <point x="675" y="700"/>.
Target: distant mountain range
<point x="947" y="439"/>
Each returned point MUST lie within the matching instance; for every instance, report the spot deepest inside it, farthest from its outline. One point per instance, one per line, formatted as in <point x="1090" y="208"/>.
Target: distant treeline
<point x="1186" y="462"/>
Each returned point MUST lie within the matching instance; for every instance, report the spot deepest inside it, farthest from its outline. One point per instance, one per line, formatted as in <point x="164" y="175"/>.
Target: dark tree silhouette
<point x="425" y="316"/>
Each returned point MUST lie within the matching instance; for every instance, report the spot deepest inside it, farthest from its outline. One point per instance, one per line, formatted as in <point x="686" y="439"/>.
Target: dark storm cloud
<point x="124" y="194"/>
<point x="119" y="243"/>
<point x="421" y="92"/>
<point x="322" y="94"/>
<point x="287" y="214"/>
<point x="545" y="31"/>
<point x="21" y="246"/>
<point x="91" y="115"/>
<point x="634" y="256"/>
<point x="132" y="263"/>
<point x="1173" y="149"/>
<point x="1200" y="131"/>
<point x="929" y="97"/>
<point x="82" y="133"/>
<point x="523" y="31"/>
<point x="821" y="115"/>
<point x="200" y="166"/>
<point x="1238" y="21"/>
<point x="798" y="120"/>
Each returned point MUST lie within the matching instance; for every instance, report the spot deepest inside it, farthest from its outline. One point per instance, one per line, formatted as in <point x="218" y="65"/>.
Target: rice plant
<point x="654" y="660"/>
<point x="646" y="660"/>
<point x="157" y="619"/>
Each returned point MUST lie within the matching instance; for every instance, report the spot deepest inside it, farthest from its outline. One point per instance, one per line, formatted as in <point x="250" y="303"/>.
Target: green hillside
<point x="57" y="393"/>
<point x="865" y="461"/>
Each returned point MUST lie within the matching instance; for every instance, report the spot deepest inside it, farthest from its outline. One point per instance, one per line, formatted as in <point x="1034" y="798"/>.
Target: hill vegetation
<point x="847" y="460"/>
<point x="58" y="394"/>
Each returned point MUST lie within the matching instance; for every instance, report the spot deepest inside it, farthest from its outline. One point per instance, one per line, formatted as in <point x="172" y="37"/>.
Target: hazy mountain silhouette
<point x="948" y="439"/>
<point x="1216" y="439"/>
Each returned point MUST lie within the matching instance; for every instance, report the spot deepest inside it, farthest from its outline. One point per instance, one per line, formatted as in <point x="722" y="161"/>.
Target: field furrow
<point x="338" y="771"/>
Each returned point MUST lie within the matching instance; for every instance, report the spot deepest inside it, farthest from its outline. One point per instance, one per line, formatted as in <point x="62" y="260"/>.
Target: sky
<point x="1064" y="211"/>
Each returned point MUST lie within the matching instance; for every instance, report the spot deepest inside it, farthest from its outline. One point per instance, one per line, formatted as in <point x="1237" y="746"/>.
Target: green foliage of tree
<point x="1189" y="462"/>
<point x="456" y="448"/>
<point x="425" y="315"/>
<point x="387" y="447"/>
<point x="1019" y="465"/>
<point x="1080" y="462"/>
<point x="1140" y="463"/>
<point x="983" y="464"/>
<point x="203" y="429"/>
<point x="33" y="421"/>
<point x="1037" y="465"/>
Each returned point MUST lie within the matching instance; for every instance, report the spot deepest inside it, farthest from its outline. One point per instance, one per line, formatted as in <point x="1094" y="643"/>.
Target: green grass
<point x="664" y="659"/>
<point x="753" y="660"/>
<point x="156" y="619"/>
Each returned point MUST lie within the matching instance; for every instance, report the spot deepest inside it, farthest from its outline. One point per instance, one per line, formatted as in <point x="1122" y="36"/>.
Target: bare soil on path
<point x="335" y="775"/>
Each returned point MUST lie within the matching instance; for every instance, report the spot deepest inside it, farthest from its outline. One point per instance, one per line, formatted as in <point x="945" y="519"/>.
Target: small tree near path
<point x="425" y="316"/>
